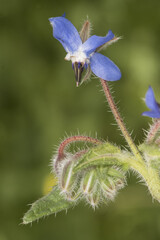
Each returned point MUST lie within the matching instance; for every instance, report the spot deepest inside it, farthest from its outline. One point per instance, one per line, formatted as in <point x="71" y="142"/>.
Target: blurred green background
<point x="39" y="104"/>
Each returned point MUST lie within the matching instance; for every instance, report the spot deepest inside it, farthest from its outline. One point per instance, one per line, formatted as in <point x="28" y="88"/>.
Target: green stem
<point x="119" y="121"/>
<point x="150" y="176"/>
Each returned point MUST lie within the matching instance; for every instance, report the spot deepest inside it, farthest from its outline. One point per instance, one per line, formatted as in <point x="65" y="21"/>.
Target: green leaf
<point x="52" y="203"/>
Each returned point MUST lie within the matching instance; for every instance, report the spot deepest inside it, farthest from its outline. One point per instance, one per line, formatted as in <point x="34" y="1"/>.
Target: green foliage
<point x="151" y="154"/>
<point x="96" y="177"/>
<point x="52" y="203"/>
<point x="105" y="154"/>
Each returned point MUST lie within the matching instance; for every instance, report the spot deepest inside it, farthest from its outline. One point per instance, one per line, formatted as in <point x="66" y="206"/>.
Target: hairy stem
<point x="119" y="120"/>
<point x="150" y="177"/>
<point x="153" y="131"/>
<point x="147" y="172"/>
<point x="72" y="139"/>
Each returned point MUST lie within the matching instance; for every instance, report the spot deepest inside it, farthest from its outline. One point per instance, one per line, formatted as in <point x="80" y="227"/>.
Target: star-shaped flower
<point x="83" y="52"/>
<point x="152" y="104"/>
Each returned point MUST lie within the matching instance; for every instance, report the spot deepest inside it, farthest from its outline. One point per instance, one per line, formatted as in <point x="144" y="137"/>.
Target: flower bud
<point x="67" y="178"/>
<point x="120" y="183"/>
<point x="108" y="188"/>
<point x="94" y="198"/>
<point x="115" y="172"/>
<point x="89" y="181"/>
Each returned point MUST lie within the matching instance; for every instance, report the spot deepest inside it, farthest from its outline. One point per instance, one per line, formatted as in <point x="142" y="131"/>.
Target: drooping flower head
<point x="83" y="52"/>
<point x="152" y="104"/>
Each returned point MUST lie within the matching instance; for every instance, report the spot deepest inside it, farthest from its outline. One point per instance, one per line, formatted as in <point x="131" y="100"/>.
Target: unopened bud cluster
<point x="95" y="184"/>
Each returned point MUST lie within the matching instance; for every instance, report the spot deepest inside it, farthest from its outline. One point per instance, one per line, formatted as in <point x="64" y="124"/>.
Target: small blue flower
<point x="152" y="104"/>
<point x="83" y="54"/>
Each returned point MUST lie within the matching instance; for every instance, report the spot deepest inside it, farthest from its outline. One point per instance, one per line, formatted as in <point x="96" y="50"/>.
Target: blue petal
<point x="65" y="32"/>
<point x="150" y="100"/>
<point x="104" y="68"/>
<point x="151" y="114"/>
<point x="94" y="42"/>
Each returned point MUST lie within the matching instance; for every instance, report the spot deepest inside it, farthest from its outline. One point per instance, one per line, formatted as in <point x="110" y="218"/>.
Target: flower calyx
<point x="81" y="176"/>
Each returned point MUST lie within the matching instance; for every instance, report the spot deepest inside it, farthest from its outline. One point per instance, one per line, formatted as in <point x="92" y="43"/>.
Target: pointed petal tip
<point x="64" y="14"/>
<point x="51" y="20"/>
<point x="151" y="101"/>
<point x="147" y="113"/>
<point x="150" y="88"/>
<point x="94" y="42"/>
<point x="143" y="114"/>
<point x="151" y="114"/>
<point x="109" y="32"/>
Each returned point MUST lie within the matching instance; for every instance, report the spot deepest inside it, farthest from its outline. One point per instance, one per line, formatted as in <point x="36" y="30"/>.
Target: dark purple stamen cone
<point x="78" y="69"/>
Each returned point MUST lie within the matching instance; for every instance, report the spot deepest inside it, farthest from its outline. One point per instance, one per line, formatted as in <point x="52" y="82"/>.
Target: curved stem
<point x="119" y="120"/>
<point x="61" y="150"/>
<point x="72" y="139"/>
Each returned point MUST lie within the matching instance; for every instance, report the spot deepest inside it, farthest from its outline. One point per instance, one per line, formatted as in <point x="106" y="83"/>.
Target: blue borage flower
<point x="152" y="104"/>
<point x="84" y="54"/>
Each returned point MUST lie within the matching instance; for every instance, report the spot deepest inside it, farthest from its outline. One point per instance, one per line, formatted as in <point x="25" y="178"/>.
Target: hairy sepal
<point x="105" y="154"/>
<point x="151" y="154"/>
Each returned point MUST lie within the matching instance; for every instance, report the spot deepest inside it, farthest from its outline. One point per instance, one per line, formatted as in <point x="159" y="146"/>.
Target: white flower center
<point x="77" y="56"/>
